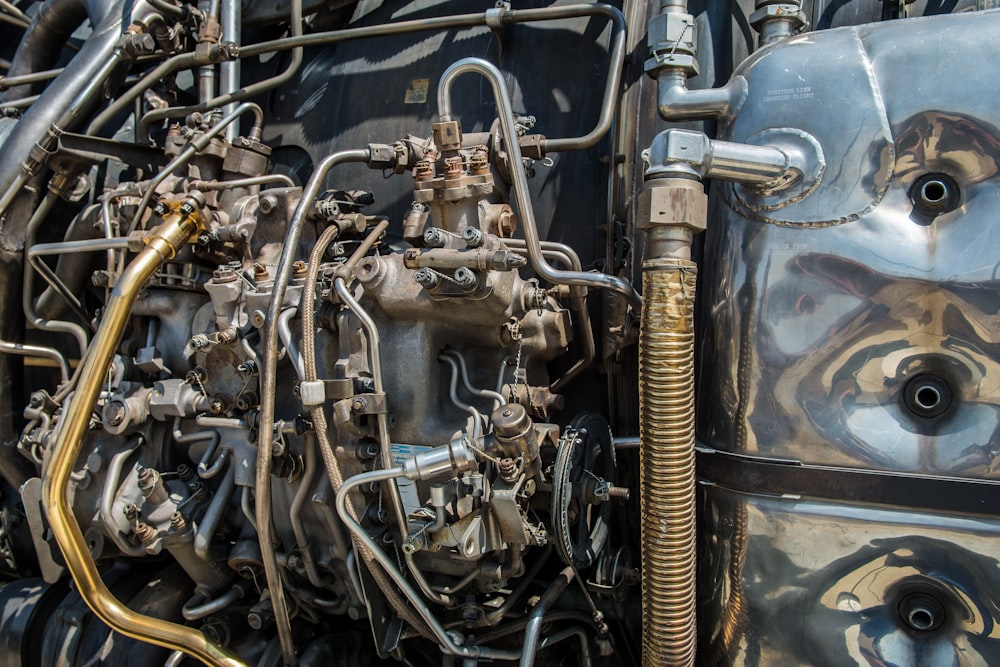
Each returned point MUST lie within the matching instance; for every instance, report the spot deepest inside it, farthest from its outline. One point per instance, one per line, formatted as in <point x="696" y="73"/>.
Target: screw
<point x="299" y="269"/>
<point x="131" y="512"/>
<point x="618" y="493"/>
<point x="359" y="405"/>
<point x="248" y="367"/>
<point x="177" y="521"/>
<point x="267" y="204"/>
<point x="260" y="271"/>
<point x="224" y="274"/>
<point x="478" y="163"/>
<point x="101" y="278"/>
<point x="507" y="469"/>
<point x="115" y="413"/>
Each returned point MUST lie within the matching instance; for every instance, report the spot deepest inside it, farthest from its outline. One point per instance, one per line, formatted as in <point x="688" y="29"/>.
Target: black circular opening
<point x="921" y="618"/>
<point x="921" y="612"/>
<point x="934" y="194"/>
<point x="927" y="396"/>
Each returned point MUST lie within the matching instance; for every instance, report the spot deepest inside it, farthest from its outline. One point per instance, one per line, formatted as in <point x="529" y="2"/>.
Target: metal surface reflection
<point x="831" y="584"/>
<point x="858" y="327"/>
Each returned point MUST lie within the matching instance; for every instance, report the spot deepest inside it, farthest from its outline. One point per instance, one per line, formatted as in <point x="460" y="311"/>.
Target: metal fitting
<point x="447" y="135"/>
<point x="435" y="238"/>
<point x="672" y="39"/>
<point x="779" y="20"/>
<point x="151" y="485"/>
<point x="312" y="393"/>
<point x="684" y="153"/>
<point x="473" y="237"/>
<point x="427" y="278"/>
<point x="672" y="211"/>
<point x="423" y="170"/>
<point x="453" y="167"/>
<point x="465" y="278"/>
<point x="452" y="459"/>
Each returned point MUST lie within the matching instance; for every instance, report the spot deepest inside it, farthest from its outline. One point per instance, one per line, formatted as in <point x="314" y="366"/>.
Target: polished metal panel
<point x="827" y="332"/>
<point x="857" y="327"/>
<point x="815" y="583"/>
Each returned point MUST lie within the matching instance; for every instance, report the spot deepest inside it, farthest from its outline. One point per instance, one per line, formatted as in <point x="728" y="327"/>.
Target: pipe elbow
<point x="675" y="102"/>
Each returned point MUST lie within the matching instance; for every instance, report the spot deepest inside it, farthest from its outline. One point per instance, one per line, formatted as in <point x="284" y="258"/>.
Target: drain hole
<point x="934" y="194"/>
<point x="921" y="618"/>
<point x="921" y="612"/>
<point x="927" y="396"/>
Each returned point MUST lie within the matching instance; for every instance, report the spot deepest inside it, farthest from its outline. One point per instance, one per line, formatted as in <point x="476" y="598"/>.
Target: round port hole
<point x="921" y="612"/>
<point x="934" y="194"/>
<point x="927" y="396"/>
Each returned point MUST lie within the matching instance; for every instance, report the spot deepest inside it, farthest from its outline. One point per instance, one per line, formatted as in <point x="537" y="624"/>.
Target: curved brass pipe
<point x="161" y="245"/>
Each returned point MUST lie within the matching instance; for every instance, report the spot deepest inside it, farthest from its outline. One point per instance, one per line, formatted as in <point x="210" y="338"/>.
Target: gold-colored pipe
<point x="666" y="404"/>
<point x="161" y="245"/>
<point x="675" y="209"/>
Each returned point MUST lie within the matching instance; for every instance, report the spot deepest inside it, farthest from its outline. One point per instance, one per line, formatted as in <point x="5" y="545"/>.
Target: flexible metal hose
<point x="268" y="389"/>
<point x="318" y="417"/>
<point x="666" y="426"/>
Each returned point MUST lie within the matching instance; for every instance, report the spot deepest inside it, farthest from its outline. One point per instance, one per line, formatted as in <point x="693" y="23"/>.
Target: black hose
<point x="42" y="43"/>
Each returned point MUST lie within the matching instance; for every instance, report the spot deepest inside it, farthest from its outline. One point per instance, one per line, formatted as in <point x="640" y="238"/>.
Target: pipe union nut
<point x="779" y="12"/>
<point x="673" y="201"/>
<point x="673" y="42"/>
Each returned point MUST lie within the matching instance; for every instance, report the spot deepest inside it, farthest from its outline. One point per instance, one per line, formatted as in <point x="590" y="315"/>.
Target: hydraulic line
<point x="28" y="296"/>
<point x="666" y="462"/>
<point x="533" y="630"/>
<point x="494" y="18"/>
<point x="439" y="633"/>
<point x="295" y="512"/>
<point x="520" y="180"/>
<point x="318" y="415"/>
<point x="163" y="243"/>
<point x="268" y="389"/>
<point x="671" y="210"/>
<point x="24" y="350"/>
<point x="229" y="98"/>
<point x="229" y="70"/>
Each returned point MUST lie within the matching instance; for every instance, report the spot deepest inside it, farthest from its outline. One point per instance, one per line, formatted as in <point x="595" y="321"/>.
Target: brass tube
<point x="161" y="245"/>
<point x="666" y="462"/>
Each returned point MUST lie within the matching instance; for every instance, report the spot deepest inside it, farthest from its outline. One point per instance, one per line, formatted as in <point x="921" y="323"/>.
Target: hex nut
<point x="674" y="202"/>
